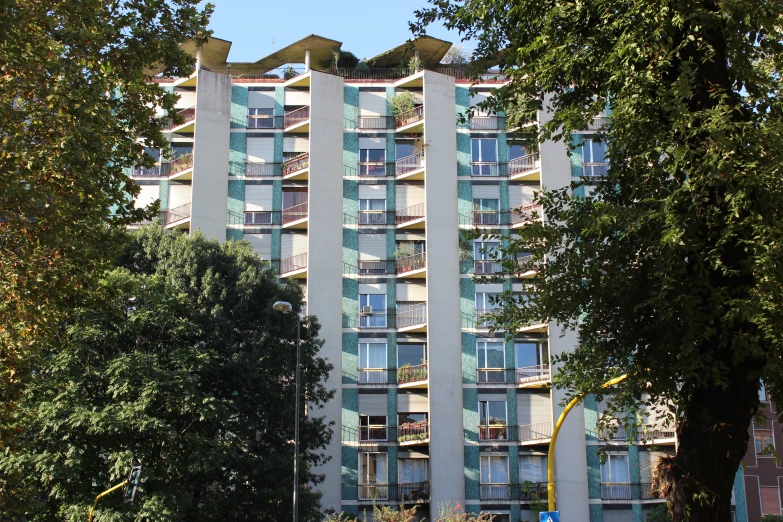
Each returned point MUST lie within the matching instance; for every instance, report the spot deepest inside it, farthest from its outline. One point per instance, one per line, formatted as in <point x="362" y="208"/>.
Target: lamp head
<point x="283" y="306"/>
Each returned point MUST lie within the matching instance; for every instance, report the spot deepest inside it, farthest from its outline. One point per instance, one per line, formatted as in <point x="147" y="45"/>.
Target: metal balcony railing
<point x="377" y="376"/>
<point x="598" y="123"/>
<point x="411" y="263"/>
<point x="411" y="116"/>
<point x="295" y="213"/>
<point x="526" y="375"/>
<point x="375" y="169"/>
<point x="188" y="115"/>
<point x="261" y="218"/>
<point x="376" y="267"/>
<point x="296" y="164"/>
<point x="296" y="117"/>
<point x="487" y="169"/>
<point x="497" y="432"/>
<point x="157" y="171"/>
<point x="293" y="263"/>
<point x="264" y="122"/>
<point x="482" y="317"/>
<point x="409" y="374"/>
<point x="595" y="169"/>
<point x="406" y="493"/>
<point x="494" y="376"/>
<point x="376" y="122"/>
<point x="490" y="218"/>
<point x="378" y="319"/>
<point x="521" y="165"/>
<point x="514" y="492"/>
<point x="181" y="164"/>
<point x="533" y="374"/>
<point x="179" y="213"/>
<point x="487" y="267"/>
<point x="413" y="431"/>
<point x="635" y="433"/>
<point x="539" y="431"/>
<point x="628" y="491"/>
<point x="263" y="170"/>
<point x="407" y="164"/>
<point x="526" y="214"/>
<point x="376" y="217"/>
<point x="411" y="315"/>
<point x="411" y="213"/>
<point x="488" y="122"/>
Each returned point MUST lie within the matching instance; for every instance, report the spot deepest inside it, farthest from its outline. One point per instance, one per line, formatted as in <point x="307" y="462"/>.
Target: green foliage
<point x="343" y="59"/>
<point x="456" y="55"/>
<point x="659" y="513"/>
<point x="402" y="102"/>
<point x="415" y="64"/>
<point x="185" y="369"/>
<point x="670" y="272"/>
<point x="289" y="72"/>
<point x="772" y="518"/>
<point x="64" y="147"/>
<point x="362" y="67"/>
<point x="449" y="513"/>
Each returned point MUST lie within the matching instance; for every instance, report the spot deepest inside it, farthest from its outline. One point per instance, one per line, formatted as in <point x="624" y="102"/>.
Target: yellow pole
<point x="550" y="464"/>
<point x="110" y="490"/>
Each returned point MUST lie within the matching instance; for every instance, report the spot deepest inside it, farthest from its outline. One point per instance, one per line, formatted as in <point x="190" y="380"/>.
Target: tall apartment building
<point x="365" y="211"/>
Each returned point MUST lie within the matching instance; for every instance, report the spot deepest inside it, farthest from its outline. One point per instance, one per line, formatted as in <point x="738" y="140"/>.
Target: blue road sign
<point x="549" y="516"/>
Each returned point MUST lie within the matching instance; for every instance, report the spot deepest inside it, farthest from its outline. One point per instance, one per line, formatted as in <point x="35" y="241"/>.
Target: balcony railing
<point x="376" y="217"/>
<point x="413" y="431"/>
<point x="490" y="218"/>
<point x="481" y="317"/>
<point x="377" y="434"/>
<point x="521" y="165"/>
<point x="411" y="213"/>
<point x="628" y="491"/>
<point x="411" y="263"/>
<point x="486" y="169"/>
<point x="157" y="171"/>
<point x="487" y="267"/>
<point x="376" y="122"/>
<point x="376" y="267"/>
<point x="595" y="170"/>
<point x="525" y="375"/>
<point x="514" y="492"/>
<point x="377" y="376"/>
<point x="293" y="263"/>
<point x="494" y="376"/>
<point x="411" y="315"/>
<point x="262" y="218"/>
<point x="179" y="213"/>
<point x="263" y="170"/>
<point x="376" y="319"/>
<point x="187" y="115"/>
<point x="409" y="374"/>
<point x="497" y="432"/>
<point x="181" y="164"/>
<point x="296" y="117"/>
<point x="375" y="169"/>
<point x="296" y="164"/>
<point x="411" y="116"/>
<point x="487" y="122"/>
<point x="526" y="214"/>
<point x="621" y="433"/>
<point x="532" y="374"/>
<point x="295" y="213"/>
<point x="406" y="493"/>
<point x="539" y="431"/>
<point x="264" y="122"/>
<point x="407" y="164"/>
<point x="598" y="123"/>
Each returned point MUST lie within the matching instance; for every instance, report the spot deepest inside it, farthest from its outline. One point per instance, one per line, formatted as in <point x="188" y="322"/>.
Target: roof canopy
<point x="431" y="51"/>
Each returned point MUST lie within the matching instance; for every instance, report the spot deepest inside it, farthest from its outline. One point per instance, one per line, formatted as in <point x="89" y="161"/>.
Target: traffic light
<point x="134" y="479"/>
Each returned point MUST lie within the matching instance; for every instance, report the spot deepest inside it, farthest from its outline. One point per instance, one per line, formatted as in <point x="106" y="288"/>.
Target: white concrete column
<point x="307" y="60"/>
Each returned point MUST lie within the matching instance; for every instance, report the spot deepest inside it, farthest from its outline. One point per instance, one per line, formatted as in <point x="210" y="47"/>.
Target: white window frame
<point x="488" y="459"/>
<point x="366" y="346"/>
<point x="253" y="115"/>
<point x="485" y="343"/>
<point x="423" y="345"/>
<point x="608" y="465"/>
<point x="505" y="408"/>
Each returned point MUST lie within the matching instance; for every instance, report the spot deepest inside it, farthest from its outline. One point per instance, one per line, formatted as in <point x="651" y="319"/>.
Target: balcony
<point x="376" y="319"/>
<point x="188" y="121"/>
<point x="295" y="216"/>
<point x="526" y="214"/>
<point x="410" y="217"/>
<point x="487" y="123"/>
<point x="648" y="434"/>
<point x="595" y="170"/>
<point x="623" y="492"/>
<point x="485" y="169"/>
<point x="410" y="167"/>
<point x="156" y="171"/>
<point x="416" y="493"/>
<point x="412" y="317"/>
<point x="264" y="122"/>
<point x="297" y="167"/>
<point x="487" y="267"/>
<point x="263" y="170"/>
<point x="375" y="169"/>
<point x="412" y="376"/>
<point x="376" y="377"/>
<point x="411" y="121"/>
<point x="533" y="376"/>
<point x="526" y="492"/>
<point x="412" y="266"/>
<point x="297" y="120"/>
<point x="598" y="123"/>
<point x="376" y="122"/>
<point x="526" y="434"/>
<point x="177" y="217"/>
<point x="376" y="267"/>
<point x="261" y="218"/>
<point x="413" y="433"/>
<point x="181" y="168"/>
<point x="490" y="218"/>
<point x="294" y="266"/>
<point x="524" y="168"/>
<point x="376" y="217"/>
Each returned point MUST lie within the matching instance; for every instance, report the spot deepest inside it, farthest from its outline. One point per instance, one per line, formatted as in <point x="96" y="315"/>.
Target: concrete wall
<point x="324" y="272"/>
<point x="211" y="155"/>
<point x="443" y="313"/>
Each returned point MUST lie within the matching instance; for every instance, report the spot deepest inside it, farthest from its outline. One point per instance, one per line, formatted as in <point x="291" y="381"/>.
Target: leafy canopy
<point x="185" y="369"/>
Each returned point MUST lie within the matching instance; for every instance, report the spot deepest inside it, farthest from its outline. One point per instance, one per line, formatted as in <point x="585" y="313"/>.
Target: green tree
<point x="659" y="513"/>
<point x="186" y="370"/>
<point x="672" y="271"/>
<point x="76" y="94"/>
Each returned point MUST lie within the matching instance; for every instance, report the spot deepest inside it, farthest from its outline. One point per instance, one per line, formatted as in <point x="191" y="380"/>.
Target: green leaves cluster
<point x="185" y="369"/>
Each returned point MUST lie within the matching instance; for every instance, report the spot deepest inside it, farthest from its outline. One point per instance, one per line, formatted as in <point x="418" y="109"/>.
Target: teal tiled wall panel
<point x="504" y="196"/>
<point x="468" y="358"/>
<point x="278" y="152"/>
<point x="351" y="107"/>
<point x="636" y="510"/>
<point x="277" y="195"/>
<point x="350" y="357"/>
<point x="350" y="304"/>
<point x="472" y="472"/>
<point x="237" y="153"/>
<point x="465" y="201"/>
<point x="391" y="244"/>
<point x="238" y="107"/>
<point x="739" y="493"/>
<point x="349" y="456"/>
<point x="164" y="194"/>
<point x="279" y="100"/>
<point x="462" y="100"/>
<point x="276" y="244"/>
<point x="593" y="473"/>
<point x="470" y="418"/>
<point x="591" y="418"/>
<point x="596" y="513"/>
<point x="463" y="154"/>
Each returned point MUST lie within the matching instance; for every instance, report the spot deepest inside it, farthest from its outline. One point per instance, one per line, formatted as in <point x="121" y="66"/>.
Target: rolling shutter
<point x="293" y="97"/>
<point x="186" y="99"/>
<point x="260" y="100"/>
<point x="489" y="288"/>
<point x="261" y="150"/>
<point x="520" y="195"/>
<point x="258" y="198"/>
<point x="179" y="194"/>
<point x="372" y="143"/>
<point x="148" y="194"/>
<point x="372" y="191"/>
<point x="292" y="245"/>
<point x="411" y="292"/>
<point x="373" y="404"/>
<point x="295" y="144"/>
<point x="261" y="243"/>
<point x="409" y="195"/>
<point x="645" y="470"/>
<point x="618" y="515"/>
<point x="412" y="403"/>
<point x="533" y="408"/>
<point x="372" y="104"/>
<point x="486" y="191"/>
<point x="372" y="247"/>
<point x="374" y="289"/>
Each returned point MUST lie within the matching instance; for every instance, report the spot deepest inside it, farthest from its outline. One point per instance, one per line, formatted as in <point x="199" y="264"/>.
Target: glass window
<point x="412" y="354"/>
<point x="515" y="150"/>
<point x="494" y="469"/>
<point x="763" y="392"/>
<point x="372" y="427"/>
<point x="372" y="155"/>
<point x="486" y="205"/>
<point x="372" y="468"/>
<point x="770" y="500"/>
<point x="530" y="354"/>
<point x="532" y="468"/>
<point x="615" y="469"/>
<point x="372" y="204"/>
<point x="407" y="418"/>
<point x="260" y="118"/>
<point x="485" y="250"/>
<point x="490" y="354"/>
<point x="484" y="150"/>
<point x="764" y="442"/>
<point x="180" y="149"/>
<point x="154" y="153"/>
<point x="492" y="412"/>
<point x="403" y="149"/>
<point x="594" y="151"/>
<point x="293" y="197"/>
<point x="372" y="355"/>
<point x="373" y="310"/>
<point x="412" y="471"/>
<point x="484" y="301"/>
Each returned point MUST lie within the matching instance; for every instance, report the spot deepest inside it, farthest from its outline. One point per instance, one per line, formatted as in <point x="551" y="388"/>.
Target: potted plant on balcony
<point x="497" y="429"/>
<point x="403" y="255"/>
<point x="402" y="102"/>
<point x="404" y="373"/>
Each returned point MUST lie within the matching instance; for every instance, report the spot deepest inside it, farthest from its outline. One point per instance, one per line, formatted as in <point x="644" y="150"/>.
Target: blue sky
<point x="365" y="27"/>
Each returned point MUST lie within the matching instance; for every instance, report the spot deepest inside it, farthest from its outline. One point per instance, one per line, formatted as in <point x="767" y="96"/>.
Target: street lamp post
<point x="286" y="308"/>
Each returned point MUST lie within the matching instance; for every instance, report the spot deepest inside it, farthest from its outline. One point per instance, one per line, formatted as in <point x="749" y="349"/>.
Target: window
<point x="491" y="361"/>
<point x="372" y="363"/>
<point x="372" y="162"/>
<point x="494" y="469"/>
<point x="372" y="211"/>
<point x="532" y="468"/>
<point x="411" y="354"/>
<point x="485" y="211"/>
<point x="615" y="469"/>
<point x="373" y="471"/>
<point x="409" y="418"/>
<point x="372" y="427"/>
<point x="483" y="256"/>
<point x="153" y="153"/>
<point x="181" y="149"/>
<point x="530" y="353"/>
<point x="409" y="248"/>
<point x="260" y="119"/>
<point x="770" y="500"/>
<point x="484" y="157"/>
<point x="486" y="301"/>
<point x="763" y="392"/>
<point x="515" y="150"/>
<point x="373" y="310"/>
<point x="492" y="420"/>
<point x="594" y="158"/>
<point x="294" y="197"/>
<point x="412" y="471"/>
<point x="764" y="442"/>
<point x="403" y="149"/>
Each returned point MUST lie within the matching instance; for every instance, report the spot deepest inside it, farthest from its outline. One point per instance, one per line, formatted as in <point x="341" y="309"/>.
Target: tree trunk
<point x="713" y="439"/>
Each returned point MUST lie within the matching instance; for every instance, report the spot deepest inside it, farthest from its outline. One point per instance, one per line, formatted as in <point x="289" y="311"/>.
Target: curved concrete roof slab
<point x="214" y="52"/>
<point x="320" y="53"/>
<point x="431" y="51"/>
